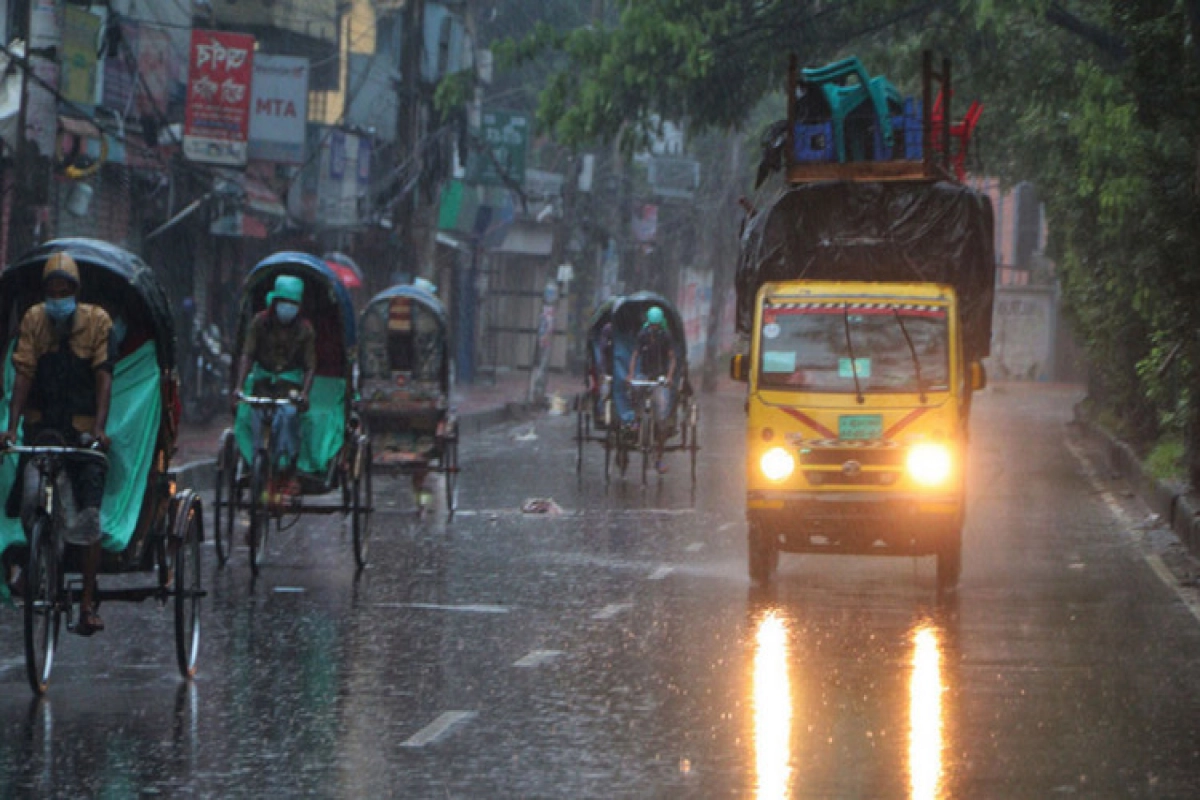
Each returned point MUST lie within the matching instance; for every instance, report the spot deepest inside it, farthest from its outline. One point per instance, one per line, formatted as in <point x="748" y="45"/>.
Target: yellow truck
<point x="867" y="306"/>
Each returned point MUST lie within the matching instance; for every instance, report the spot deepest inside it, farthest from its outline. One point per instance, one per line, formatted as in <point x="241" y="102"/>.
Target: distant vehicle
<point x="206" y="388"/>
<point x="866" y="290"/>
<point x="610" y="392"/>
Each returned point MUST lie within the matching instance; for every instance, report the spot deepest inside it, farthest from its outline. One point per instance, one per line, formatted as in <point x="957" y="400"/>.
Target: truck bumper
<point x="856" y="522"/>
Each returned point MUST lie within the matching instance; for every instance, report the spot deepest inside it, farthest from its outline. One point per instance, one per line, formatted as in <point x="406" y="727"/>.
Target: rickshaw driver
<point x="280" y="358"/>
<point x="63" y="364"/>
<point x="653" y="358"/>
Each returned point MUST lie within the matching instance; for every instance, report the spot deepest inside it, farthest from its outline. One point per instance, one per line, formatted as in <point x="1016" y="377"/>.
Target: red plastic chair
<point x="961" y="132"/>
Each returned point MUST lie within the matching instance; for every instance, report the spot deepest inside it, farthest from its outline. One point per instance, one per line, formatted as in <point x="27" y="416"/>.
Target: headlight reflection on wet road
<point x="772" y="709"/>
<point x="925" y="715"/>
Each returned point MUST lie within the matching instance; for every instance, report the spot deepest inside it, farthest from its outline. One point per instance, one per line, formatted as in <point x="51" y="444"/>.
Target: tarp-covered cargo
<point x="902" y="231"/>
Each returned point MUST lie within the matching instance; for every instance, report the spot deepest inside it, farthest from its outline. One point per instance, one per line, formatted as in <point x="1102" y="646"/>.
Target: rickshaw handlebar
<point x="55" y="450"/>
<point x="252" y="400"/>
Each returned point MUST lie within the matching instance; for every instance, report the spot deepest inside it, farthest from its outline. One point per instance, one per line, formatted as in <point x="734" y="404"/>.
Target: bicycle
<point x="264" y="501"/>
<point x="655" y="435"/>
<point x="46" y="595"/>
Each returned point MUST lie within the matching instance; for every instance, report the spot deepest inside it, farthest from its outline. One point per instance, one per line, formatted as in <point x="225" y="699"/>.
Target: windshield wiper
<point x="850" y="349"/>
<point x="913" y="350"/>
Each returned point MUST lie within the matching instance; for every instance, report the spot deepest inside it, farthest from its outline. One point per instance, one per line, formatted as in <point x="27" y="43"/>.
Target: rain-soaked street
<point x="617" y="649"/>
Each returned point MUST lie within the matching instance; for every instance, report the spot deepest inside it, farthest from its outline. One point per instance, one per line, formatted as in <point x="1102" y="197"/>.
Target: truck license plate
<point x="860" y="426"/>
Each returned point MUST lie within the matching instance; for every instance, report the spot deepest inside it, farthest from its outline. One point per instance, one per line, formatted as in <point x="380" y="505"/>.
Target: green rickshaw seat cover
<point x="136" y="398"/>
<point x="322" y="426"/>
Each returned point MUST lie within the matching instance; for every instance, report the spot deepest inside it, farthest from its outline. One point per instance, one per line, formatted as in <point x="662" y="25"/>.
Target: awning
<point x="261" y="199"/>
<point x="527" y="239"/>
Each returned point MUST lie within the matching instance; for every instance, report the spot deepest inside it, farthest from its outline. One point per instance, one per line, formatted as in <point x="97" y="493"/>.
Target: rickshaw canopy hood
<point x="433" y="305"/>
<point x="308" y="267"/>
<point x="418" y="294"/>
<point x="629" y="316"/>
<point x="109" y="276"/>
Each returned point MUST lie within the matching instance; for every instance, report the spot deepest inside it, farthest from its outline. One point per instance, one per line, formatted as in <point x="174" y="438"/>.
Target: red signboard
<point x="217" y="119"/>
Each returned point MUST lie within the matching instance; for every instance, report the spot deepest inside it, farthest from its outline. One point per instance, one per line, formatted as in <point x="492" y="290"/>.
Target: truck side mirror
<point x="738" y="368"/>
<point x="978" y="377"/>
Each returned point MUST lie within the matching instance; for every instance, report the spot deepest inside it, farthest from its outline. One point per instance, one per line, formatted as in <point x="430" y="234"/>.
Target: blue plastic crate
<point x="914" y="145"/>
<point x="899" y="137"/>
<point x="814" y="142"/>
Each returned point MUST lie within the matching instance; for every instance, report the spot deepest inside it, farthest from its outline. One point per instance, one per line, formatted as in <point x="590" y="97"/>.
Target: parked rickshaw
<point x="404" y="359"/>
<point x="149" y="526"/>
<point x="334" y="451"/>
<point x="621" y="404"/>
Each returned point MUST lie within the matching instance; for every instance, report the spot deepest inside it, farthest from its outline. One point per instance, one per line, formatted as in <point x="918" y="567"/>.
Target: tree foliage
<point x="1097" y="102"/>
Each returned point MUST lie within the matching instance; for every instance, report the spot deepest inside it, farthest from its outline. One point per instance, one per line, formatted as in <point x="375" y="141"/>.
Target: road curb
<point x="1178" y="507"/>
<point x="201" y="475"/>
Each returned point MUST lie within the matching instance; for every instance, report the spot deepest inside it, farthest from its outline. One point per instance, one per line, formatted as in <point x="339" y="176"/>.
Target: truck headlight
<point x="929" y="464"/>
<point x="777" y="464"/>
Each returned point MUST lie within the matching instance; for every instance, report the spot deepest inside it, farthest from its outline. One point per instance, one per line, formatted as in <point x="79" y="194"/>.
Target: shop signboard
<point x="279" y="108"/>
<point x="217" y="118"/>
<point x="506" y="137"/>
<point x="77" y="81"/>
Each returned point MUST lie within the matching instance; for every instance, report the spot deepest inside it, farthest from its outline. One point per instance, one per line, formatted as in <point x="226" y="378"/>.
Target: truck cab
<point x="857" y="411"/>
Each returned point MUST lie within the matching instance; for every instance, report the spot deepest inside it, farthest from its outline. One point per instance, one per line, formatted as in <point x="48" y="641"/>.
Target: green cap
<point x="287" y="287"/>
<point x="654" y="316"/>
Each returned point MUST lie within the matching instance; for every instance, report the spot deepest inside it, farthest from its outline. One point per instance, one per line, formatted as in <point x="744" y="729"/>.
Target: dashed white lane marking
<point x="536" y="658"/>
<point x="727" y="526"/>
<point x="695" y="547"/>
<point x="476" y="608"/>
<point x="611" y="610"/>
<point x="1152" y="559"/>
<point x="289" y="590"/>
<point x="661" y="573"/>
<point x="438" y="729"/>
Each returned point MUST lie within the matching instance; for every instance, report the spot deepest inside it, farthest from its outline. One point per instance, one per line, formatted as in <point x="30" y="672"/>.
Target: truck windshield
<point x="805" y="347"/>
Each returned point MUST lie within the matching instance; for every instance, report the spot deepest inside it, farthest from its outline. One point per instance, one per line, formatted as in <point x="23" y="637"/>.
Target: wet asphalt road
<point x="618" y="650"/>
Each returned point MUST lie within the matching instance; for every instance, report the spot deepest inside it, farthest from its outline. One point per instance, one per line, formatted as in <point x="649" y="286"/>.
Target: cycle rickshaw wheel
<point x="648" y="435"/>
<point x="609" y="428"/>
<point x="362" y="499"/>
<point x="581" y="430"/>
<point x="260" y="521"/>
<point x="450" y="466"/>
<point x="43" y="587"/>
<point x="693" y="425"/>
<point x="188" y="590"/>
<point x="226" y="496"/>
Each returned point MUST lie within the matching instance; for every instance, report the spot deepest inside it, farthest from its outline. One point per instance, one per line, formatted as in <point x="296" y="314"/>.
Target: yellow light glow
<point x="929" y="464"/>
<point x="925" y="716"/>
<point x="777" y="464"/>
<point x="772" y="710"/>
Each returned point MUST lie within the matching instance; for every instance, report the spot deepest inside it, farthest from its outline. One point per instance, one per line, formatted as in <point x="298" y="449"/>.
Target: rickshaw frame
<point x="169" y="525"/>
<point x="442" y="458"/>
<point x="624" y="314"/>
<point x="240" y="485"/>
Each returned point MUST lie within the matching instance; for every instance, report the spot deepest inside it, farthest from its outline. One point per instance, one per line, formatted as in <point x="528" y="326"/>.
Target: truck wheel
<point x="949" y="560"/>
<point x="764" y="554"/>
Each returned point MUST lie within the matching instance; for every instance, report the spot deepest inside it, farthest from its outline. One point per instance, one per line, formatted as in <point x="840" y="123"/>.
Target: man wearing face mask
<point x="63" y="364"/>
<point x="280" y="358"/>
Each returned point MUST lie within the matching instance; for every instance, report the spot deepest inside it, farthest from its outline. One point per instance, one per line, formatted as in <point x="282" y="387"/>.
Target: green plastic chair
<point x="843" y="100"/>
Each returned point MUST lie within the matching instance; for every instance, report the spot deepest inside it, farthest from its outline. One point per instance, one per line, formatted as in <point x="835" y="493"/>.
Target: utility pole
<point x="725" y="268"/>
<point x="37" y="128"/>
<point x="409" y="119"/>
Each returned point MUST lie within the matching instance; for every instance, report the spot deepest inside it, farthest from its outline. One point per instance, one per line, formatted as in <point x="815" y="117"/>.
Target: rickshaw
<point x="595" y="414"/>
<point x="621" y="404"/>
<point x="404" y="362"/>
<point x="334" y="451"/>
<point x="149" y="525"/>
